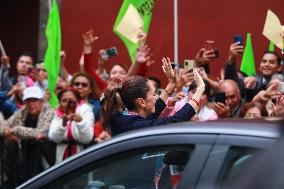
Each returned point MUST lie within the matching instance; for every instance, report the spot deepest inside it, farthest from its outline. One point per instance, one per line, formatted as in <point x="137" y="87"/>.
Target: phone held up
<point x="216" y="53"/>
<point x="107" y="53"/>
<point x="175" y="65"/>
<point x="188" y="65"/>
<point x="220" y="97"/>
<point x="71" y="107"/>
<point x="238" y="38"/>
<point x="208" y="46"/>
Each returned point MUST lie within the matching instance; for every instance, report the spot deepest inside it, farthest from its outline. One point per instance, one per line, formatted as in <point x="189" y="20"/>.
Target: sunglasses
<point x="77" y="84"/>
<point x="40" y="69"/>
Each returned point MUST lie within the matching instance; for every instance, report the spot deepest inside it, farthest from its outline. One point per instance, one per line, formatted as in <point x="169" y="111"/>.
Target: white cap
<point x="32" y="92"/>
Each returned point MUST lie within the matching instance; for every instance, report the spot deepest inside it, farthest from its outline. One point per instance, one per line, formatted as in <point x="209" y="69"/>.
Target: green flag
<point x="247" y="65"/>
<point x="133" y="14"/>
<point x="271" y="46"/>
<point x="52" y="55"/>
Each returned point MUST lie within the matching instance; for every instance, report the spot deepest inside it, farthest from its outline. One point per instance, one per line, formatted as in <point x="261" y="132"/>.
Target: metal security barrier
<point x="1" y="162"/>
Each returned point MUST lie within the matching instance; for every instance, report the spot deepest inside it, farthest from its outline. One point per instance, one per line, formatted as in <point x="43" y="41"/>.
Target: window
<point x="147" y="168"/>
<point x="237" y="159"/>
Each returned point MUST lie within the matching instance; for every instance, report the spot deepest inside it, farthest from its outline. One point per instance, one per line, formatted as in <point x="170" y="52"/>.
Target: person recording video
<point x="72" y="126"/>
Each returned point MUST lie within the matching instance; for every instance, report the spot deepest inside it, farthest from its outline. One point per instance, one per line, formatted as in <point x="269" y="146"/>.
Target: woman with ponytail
<point x="143" y="106"/>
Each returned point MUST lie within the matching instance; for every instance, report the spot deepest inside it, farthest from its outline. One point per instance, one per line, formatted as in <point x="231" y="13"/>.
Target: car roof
<point x="263" y="128"/>
<point x="247" y="127"/>
<point x="240" y="127"/>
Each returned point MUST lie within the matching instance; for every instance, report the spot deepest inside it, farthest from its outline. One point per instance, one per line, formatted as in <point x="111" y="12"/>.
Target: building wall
<point x="19" y="27"/>
<point x="198" y="21"/>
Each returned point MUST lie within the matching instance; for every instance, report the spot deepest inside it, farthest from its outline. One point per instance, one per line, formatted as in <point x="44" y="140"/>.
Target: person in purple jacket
<point x="143" y="106"/>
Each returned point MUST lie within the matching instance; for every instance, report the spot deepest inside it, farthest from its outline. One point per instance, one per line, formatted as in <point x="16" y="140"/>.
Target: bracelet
<point x="170" y="94"/>
<point x="197" y="103"/>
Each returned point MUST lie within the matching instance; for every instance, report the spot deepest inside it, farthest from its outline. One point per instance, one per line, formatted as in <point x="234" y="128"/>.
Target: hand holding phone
<point x="188" y="65"/>
<point x="220" y="97"/>
<point x="71" y="107"/>
<point x="238" y="38"/>
<point x="173" y="66"/>
<point x="216" y="53"/>
<point x="209" y="47"/>
<point x="106" y="54"/>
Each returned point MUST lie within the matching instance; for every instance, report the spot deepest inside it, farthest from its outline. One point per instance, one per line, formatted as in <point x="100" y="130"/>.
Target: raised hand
<point x="101" y="61"/>
<point x="273" y="91"/>
<point x="183" y="77"/>
<point x="89" y="38"/>
<point x="250" y="82"/>
<point x="278" y="107"/>
<point x="195" y="99"/>
<point x="142" y="36"/>
<point x="235" y="50"/>
<point x="204" y="55"/>
<point x="198" y="79"/>
<point x="5" y="59"/>
<point x="168" y="70"/>
<point x="62" y="56"/>
<point x="222" y="110"/>
<point x="150" y="61"/>
<point x="142" y="55"/>
<point x="202" y="73"/>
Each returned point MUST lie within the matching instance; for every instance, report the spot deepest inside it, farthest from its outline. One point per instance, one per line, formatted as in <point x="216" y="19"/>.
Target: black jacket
<point x="121" y="123"/>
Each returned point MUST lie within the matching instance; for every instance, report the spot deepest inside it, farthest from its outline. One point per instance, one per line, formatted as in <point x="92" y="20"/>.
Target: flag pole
<point x="176" y="31"/>
<point x="2" y="49"/>
<point x="49" y="5"/>
<point x="282" y="50"/>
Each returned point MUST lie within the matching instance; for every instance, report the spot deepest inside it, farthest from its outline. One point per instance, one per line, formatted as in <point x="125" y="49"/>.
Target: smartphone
<point x="238" y="38"/>
<point x="216" y="53"/>
<point x="23" y="81"/>
<point x="188" y="65"/>
<point x="106" y="54"/>
<point x="71" y="107"/>
<point x="281" y="87"/>
<point x="220" y="97"/>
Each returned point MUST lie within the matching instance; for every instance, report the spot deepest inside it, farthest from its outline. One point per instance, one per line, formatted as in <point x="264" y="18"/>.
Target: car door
<point x="229" y="157"/>
<point x="142" y="162"/>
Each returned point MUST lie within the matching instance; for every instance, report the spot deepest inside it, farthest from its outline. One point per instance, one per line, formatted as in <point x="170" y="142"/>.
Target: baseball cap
<point x="32" y="92"/>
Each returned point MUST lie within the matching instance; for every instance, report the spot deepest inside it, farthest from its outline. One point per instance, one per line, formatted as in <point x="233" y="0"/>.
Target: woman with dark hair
<point x="100" y="134"/>
<point x="84" y="84"/>
<point x="72" y="126"/>
<point x="144" y="106"/>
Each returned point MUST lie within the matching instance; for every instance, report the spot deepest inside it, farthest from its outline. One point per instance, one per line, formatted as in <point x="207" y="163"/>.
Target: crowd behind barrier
<point x="96" y="104"/>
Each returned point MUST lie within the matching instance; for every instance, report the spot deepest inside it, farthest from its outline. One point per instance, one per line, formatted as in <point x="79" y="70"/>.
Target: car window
<point x="237" y="159"/>
<point x="158" y="167"/>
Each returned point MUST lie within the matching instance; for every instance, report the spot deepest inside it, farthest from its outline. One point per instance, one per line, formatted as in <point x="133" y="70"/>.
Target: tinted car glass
<point x="235" y="163"/>
<point x="155" y="167"/>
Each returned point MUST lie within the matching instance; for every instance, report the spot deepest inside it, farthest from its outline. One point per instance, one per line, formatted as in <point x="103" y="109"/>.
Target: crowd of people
<point x="96" y="104"/>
